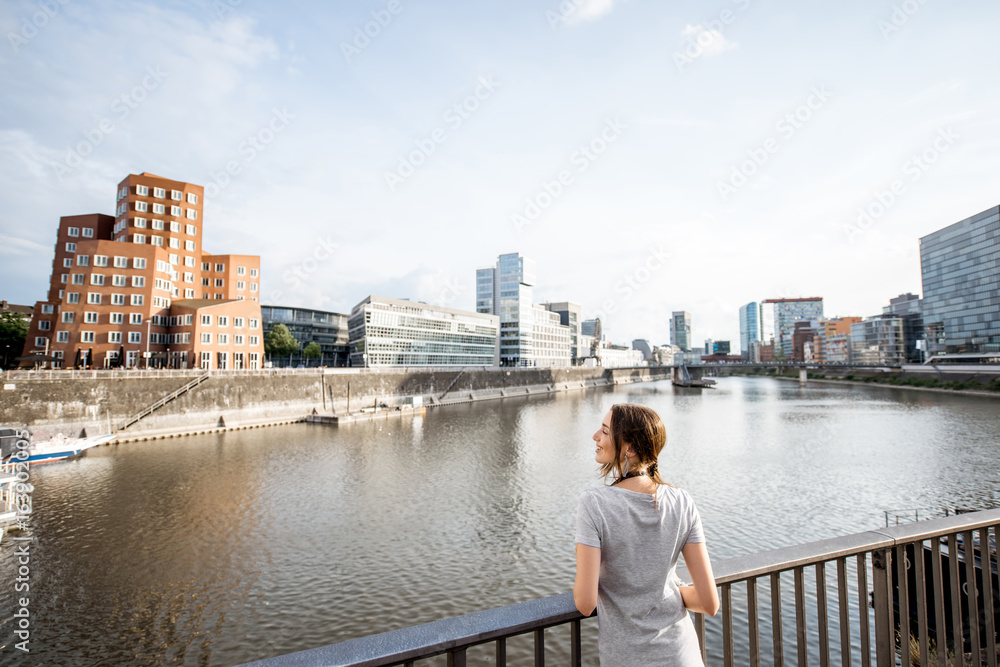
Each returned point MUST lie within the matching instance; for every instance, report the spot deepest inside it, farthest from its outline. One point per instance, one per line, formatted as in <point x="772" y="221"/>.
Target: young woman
<point x="629" y="535"/>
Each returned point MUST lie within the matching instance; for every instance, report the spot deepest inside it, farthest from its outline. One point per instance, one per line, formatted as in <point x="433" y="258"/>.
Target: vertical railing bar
<point x="540" y="647"/>
<point x="502" y="649"/>
<point x="903" y="586"/>
<point x="866" y="646"/>
<point x="699" y="629"/>
<point x="957" y="626"/>
<point x="920" y="577"/>
<point x="779" y="648"/>
<point x="937" y="584"/>
<point x="456" y="657"/>
<point x="727" y="625"/>
<point x="845" y="613"/>
<point x="973" y="597"/>
<point x="987" y="569"/>
<point x="576" y="645"/>
<point x="800" y="617"/>
<point x="885" y="647"/>
<point x="822" y="615"/>
<point x="752" y="617"/>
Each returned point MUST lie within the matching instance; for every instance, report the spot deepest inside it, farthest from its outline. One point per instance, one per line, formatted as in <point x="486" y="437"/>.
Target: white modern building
<point x="618" y="356"/>
<point x="506" y="292"/>
<point x="396" y="332"/>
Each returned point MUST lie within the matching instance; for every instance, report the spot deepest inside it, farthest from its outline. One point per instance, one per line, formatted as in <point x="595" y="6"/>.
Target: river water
<point x="221" y="549"/>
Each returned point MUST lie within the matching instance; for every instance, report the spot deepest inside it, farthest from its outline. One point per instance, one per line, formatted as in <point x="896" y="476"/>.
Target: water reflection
<point x="219" y="549"/>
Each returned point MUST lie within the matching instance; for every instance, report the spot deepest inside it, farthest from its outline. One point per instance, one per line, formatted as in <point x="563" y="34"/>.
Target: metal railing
<point x="887" y="606"/>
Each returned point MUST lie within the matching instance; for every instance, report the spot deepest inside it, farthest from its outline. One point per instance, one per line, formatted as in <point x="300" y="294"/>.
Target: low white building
<point x="618" y="356"/>
<point x="395" y="332"/>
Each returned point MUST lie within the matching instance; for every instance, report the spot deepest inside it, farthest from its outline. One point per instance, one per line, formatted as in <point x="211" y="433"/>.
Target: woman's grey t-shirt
<point x="641" y="616"/>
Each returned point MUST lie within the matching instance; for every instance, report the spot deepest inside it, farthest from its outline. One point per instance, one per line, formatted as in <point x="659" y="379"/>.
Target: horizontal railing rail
<point x="905" y="594"/>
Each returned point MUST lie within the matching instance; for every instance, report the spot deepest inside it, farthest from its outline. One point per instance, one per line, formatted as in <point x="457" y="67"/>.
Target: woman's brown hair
<point x="640" y="428"/>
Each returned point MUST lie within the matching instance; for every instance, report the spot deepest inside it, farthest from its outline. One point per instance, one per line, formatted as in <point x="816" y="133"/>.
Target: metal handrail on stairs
<point x="163" y="401"/>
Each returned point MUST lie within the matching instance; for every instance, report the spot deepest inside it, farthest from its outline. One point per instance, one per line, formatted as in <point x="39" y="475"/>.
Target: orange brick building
<point x="132" y="289"/>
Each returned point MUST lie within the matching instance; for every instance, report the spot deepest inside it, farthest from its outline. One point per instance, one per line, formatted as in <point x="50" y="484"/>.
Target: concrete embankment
<point x="227" y="401"/>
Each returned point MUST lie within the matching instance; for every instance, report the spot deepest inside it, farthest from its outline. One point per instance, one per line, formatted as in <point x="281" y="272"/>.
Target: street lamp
<point x="149" y="321"/>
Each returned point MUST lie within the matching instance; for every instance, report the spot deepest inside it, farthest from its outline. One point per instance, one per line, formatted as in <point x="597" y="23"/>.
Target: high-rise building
<point x="140" y="286"/>
<point x="570" y="315"/>
<point x="680" y="330"/>
<point x="506" y="291"/>
<point x="960" y="271"/>
<point x="878" y="341"/>
<point x="749" y="327"/>
<point x="778" y="318"/>
<point x="907" y="307"/>
<point x="395" y="332"/>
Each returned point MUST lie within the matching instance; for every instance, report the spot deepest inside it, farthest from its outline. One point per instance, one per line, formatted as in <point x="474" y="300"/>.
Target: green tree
<point x="280" y="342"/>
<point x="13" y="331"/>
<point x="312" y="351"/>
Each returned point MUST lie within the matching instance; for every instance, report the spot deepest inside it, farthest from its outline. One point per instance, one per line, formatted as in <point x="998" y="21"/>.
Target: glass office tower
<point x="749" y="327"/>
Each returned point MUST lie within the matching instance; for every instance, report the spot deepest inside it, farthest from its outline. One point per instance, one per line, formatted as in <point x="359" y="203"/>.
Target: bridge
<point x="850" y="604"/>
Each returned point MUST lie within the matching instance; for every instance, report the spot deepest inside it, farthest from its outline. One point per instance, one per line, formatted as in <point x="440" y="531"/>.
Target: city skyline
<point x="648" y="158"/>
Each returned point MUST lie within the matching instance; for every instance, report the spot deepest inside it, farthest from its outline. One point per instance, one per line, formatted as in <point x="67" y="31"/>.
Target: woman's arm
<point x="702" y="597"/>
<point x="588" y="569"/>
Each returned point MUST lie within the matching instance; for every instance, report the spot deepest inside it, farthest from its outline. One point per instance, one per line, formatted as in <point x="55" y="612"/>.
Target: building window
<point x="175" y="211"/>
<point x="86" y="336"/>
<point x="188" y="277"/>
<point x="240" y="285"/>
<point x="121" y="262"/>
<point x="220" y="268"/>
<point x="44" y="325"/>
<point x="223" y="339"/>
<point x="160" y="193"/>
<point x="159" y="209"/>
<point x="189" y="246"/>
<point x="67" y="316"/>
<point x="237" y="322"/>
<point x="139" y="263"/>
<point x="67" y="262"/>
<point x="241" y="270"/>
<point x="175" y="227"/>
<point x="253" y="287"/>
<point x="114" y="336"/>
<point x="223" y="321"/>
<point x="175" y="243"/>
<point x="188" y="293"/>
<point x="138" y="281"/>
<point x="175" y="259"/>
<point x="176" y="195"/>
<point x="73" y="297"/>
<point x="205" y="282"/>
<point x="64" y="278"/>
<point x="206" y="338"/>
<point x="90" y="317"/>
<point x="117" y="318"/>
<point x="41" y="341"/>
<point x="253" y="273"/>
<point x="206" y="361"/>
<point x="83" y="260"/>
<point x="139" y="238"/>
<point x="189" y="261"/>
<point x="94" y="298"/>
<point x="192" y="198"/>
<point x="136" y="299"/>
<point x="206" y="320"/>
<point x="219" y="282"/>
<point x="70" y="247"/>
<point x="142" y="190"/>
<point x="73" y="231"/>
<point x="205" y="266"/>
<point x="158" y="225"/>
<point x="62" y="336"/>
<point x="100" y="260"/>
<point x="140" y="223"/>
<point x="191" y="230"/>
<point x="118" y="280"/>
<point x="78" y="278"/>
<point x="254" y="341"/>
<point x="117" y="299"/>
<point x="237" y="340"/>
<point x="192" y="214"/>
<point x="254" y="323"/>
<point x="217" y="296"/>
<point x="135" y="318"/>
<point x="141" y="206"/>
<point x="88" y="232"/>
<point x="156" y="240"/>
<point x="96" y="278"/>
<point x="47" y="309"/>
<point x="135" y="336"/>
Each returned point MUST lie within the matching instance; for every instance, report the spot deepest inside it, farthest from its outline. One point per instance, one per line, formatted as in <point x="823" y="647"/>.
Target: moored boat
<point x="60" y="447"/>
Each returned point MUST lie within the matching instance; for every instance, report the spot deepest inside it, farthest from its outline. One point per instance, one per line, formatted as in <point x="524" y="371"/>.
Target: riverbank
<point x="895" y="380"/>
<point x="227" y="401"/>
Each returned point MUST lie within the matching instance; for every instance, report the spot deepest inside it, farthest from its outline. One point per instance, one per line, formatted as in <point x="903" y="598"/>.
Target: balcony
<point x="841" y="601"/>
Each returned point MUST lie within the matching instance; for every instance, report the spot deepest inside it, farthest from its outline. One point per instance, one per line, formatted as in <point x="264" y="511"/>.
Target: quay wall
<point x="72" y="405"/>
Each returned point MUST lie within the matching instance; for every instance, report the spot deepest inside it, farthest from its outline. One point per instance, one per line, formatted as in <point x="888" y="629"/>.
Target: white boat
<point x="60" y="447"/>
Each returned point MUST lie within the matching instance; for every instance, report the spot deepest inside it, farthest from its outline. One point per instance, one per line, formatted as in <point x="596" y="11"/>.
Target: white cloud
<point x="709" y="42"/>
<point x="589" y="10"/>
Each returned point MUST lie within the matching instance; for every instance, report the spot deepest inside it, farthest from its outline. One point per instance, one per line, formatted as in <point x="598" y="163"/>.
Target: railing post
<point x="885" y="644"/>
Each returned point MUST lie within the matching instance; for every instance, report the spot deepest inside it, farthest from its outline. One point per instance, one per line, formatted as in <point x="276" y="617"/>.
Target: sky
<point x="649" y="156"/>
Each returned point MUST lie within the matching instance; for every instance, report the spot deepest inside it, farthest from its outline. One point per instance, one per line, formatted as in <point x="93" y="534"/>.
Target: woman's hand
<point x="702" y="597"/>
<point x="588" y="570"/>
